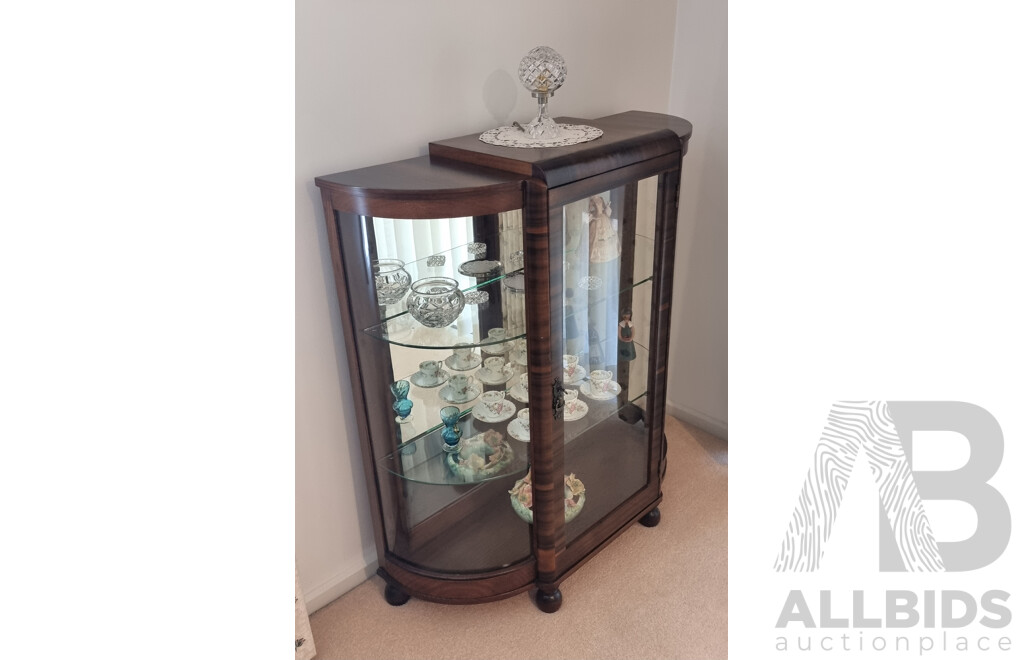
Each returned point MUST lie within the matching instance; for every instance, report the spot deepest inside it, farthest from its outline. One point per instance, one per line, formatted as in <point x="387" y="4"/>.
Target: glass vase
<point x="451" y="434"/>
<point x="402" y="405"/>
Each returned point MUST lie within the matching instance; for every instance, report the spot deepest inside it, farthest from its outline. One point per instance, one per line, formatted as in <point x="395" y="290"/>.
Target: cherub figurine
<point x="627" y="351"/>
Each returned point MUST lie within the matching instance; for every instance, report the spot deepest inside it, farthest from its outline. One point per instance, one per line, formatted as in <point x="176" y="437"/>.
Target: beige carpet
<point x="653" y="593"/>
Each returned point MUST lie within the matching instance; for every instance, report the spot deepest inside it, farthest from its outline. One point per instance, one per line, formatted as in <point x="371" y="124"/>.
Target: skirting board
<point x="336" y="586"/>
<point x="716" y="427"/>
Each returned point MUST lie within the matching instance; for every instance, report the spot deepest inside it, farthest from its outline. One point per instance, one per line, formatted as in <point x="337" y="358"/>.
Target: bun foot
<point x="395" y="596"/>
<point x="652" y="518"/>
<point x="549" y="602"/>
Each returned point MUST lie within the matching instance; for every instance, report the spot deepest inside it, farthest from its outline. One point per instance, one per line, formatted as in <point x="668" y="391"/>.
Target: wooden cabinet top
<point x="629" y="137"/>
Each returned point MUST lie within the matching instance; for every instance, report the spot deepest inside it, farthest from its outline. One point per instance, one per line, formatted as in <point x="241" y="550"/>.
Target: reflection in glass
<point x="391" y="280"/>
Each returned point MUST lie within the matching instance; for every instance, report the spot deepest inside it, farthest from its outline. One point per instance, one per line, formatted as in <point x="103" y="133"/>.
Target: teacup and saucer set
<point x="460" y="389"/>
<point x="493" y="408"/>
<point x="519" y="429"/>
<point x="463" y="358"/>
<point x="573" y="374"/>
<point x="600" y="387"/>
<point x="521" y="390"/>
<point x="495" y="371"/>
<point x="575" y="408"/>
<point x="431" y="374"/>
<point x="496" y="344"/>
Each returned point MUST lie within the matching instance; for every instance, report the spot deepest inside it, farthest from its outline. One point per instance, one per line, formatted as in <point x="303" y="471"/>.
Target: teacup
<point x="519" y="350"/>
<point x="570" y="400"/>
<point x="429" y="369"/>
<point x="461" y="386"/>
<point x="524" y="382"/>
<point x="494" y="402"/>
<point x="524" y="418"/>
<point x="496" y="335"/>
<point x="571" y="362"/>
<point x="463" y="354"/>
<point x="494" y="368"/>
<point x="601" y="381"/>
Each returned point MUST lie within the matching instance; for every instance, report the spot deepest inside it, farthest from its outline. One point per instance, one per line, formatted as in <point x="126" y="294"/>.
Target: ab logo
<point x="883" y="431"/>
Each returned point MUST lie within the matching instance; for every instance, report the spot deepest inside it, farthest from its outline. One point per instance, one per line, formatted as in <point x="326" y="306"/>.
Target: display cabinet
<point x="506" y="319"/>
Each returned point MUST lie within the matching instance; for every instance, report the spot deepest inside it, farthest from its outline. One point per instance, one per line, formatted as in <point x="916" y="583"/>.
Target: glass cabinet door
<point x="443" y="335"/>
<point x="608" y="240"/>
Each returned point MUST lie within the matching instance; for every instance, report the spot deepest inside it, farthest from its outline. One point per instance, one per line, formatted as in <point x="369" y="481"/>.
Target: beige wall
<point x="375" y="82"/>
<point x="698" y="362"/>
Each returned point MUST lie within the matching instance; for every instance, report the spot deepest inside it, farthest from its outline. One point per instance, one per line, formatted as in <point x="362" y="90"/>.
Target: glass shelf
<point x="447" y="263"/>
<point x="421" y="457"/>
<point x="427" y="404"/>
<point x="400" y="328"/>
<point x="424" y="459"/>
<point x="598" y="411"/>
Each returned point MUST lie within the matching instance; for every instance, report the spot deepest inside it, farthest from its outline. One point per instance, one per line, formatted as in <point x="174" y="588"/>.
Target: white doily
<point x="510" y="136"/>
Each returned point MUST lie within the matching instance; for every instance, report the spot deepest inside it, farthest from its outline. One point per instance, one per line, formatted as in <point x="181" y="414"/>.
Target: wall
<point x="698" y="362"/>
<point x="376" y="82"/>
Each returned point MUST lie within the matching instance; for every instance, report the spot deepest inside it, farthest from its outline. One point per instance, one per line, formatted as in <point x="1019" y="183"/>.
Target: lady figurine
<point x="604" y="240"/>
<point x="627" y="351"/>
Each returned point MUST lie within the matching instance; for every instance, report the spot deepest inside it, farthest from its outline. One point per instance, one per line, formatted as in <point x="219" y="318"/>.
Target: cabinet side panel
<point x="334" y="219"/>
<point x="369" y="362"/>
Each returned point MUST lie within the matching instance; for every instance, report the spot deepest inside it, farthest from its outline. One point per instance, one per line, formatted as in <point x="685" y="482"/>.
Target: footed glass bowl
<point x="436" y="301"/>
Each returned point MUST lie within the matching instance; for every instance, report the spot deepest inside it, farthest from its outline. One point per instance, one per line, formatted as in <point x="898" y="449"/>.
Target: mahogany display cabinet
<point x="480" y="281"/>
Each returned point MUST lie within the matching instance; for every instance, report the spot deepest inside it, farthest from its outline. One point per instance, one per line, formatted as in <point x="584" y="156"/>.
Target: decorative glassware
<point x="402" y="405"/>
<point x="436" y="261"/>
<point x="436" y="301"/>
<point x="477" y="297"/>
<point x="542" y="71"/>
<point x="478" y="250"/>
<point x="392" y="280"/>
<point x="451" y="433"/>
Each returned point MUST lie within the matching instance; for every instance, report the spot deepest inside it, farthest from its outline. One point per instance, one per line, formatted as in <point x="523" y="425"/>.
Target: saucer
<point x="581" y="373"/>
<point x="442" y="378"/>
<point x="581" y="411"/>
<point x="515" y="282"/>
<point x="481" y="268"/>
<point x="480" y="412"/>
<point x="519" y="393"/>
<point x="516" y="430"/>
<point x="474" y="362"/>
<point x="607" y="396"/>
<point x="446" y="394"/>
<point x="497" y="348"/>
<point x="507" y="372"/>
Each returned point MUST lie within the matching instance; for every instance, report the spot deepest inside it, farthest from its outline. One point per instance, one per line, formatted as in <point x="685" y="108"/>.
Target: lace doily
<point x="510" y="136"/>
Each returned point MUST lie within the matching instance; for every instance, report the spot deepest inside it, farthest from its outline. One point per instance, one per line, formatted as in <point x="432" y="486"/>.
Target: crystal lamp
<point x="542" y="71"/>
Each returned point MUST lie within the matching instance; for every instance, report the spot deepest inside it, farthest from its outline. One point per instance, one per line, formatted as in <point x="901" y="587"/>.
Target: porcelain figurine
<point x="604" y="239"/>
<point x="627" y="351"/>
